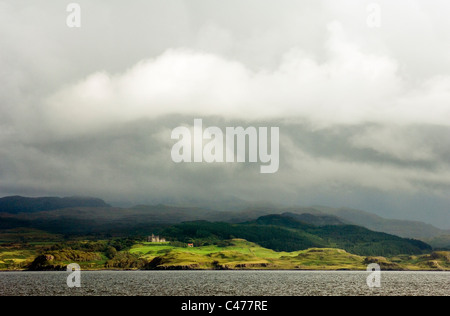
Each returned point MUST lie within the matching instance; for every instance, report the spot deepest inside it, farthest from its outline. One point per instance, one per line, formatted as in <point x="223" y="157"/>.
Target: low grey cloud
<point x="363" y="113"/>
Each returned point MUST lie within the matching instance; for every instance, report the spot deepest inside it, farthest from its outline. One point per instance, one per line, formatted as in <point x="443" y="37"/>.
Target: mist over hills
<point x="19" y="204"/>
<point x="77" y="215"/>
<point x="403" y="228"/>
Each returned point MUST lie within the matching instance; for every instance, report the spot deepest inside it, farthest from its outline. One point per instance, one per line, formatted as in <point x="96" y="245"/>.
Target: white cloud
<point x="350" y="87"/>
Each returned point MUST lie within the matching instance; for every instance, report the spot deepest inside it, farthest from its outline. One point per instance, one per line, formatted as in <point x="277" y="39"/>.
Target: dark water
<point x="239" y="283"/>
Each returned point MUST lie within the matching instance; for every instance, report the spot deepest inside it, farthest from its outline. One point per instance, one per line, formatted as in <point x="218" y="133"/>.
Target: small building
<point x="155" y="239"/>
<point x="190" y="245"/>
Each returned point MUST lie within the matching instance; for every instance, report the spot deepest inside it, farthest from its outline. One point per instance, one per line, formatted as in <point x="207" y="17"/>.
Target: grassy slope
<point x="19" y="247"/>
<point x="239" y="254"/>
<point x="246" y="255"/>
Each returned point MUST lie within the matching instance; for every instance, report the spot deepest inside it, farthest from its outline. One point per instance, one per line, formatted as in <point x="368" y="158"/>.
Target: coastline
<point x="231" y="270"/>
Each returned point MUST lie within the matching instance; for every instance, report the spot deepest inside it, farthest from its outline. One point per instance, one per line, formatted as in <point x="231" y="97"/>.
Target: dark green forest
<point x="282" y="233"/>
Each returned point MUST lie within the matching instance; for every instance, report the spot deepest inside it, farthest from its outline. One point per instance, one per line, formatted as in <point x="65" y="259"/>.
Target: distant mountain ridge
<point x="20" y="204"/>
<point x="402" y="228"/>
<point x="92" y="215"/>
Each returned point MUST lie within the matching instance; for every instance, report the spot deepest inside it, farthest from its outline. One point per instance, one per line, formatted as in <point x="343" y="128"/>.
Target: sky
<point x="363" y="112"/>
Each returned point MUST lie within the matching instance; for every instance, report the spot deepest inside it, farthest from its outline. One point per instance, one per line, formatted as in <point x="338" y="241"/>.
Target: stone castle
<point x="154" y="238"/>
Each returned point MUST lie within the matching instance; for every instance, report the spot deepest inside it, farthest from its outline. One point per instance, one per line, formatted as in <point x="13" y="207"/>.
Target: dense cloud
<point x="363" y="113"/>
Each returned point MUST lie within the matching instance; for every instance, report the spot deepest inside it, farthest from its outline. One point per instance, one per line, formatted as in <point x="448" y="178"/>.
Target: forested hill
<point x="284" y="233"/>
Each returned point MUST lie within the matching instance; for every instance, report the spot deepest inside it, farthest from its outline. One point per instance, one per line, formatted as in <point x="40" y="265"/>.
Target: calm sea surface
<point x="239" y="283"/>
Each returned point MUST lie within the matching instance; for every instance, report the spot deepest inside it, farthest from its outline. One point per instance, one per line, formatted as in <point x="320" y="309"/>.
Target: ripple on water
<point x="224" y="283"/>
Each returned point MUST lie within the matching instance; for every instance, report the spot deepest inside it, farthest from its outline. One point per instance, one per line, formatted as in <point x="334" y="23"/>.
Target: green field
<point x="241" y="254"/>
<point x="236" y="254"/>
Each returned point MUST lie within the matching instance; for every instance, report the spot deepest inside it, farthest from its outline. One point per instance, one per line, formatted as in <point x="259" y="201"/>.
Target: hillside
<point x="236" y="254"/>
<point x="241" y="254"/>
<point x="402" y="228"/>
<point x="94" y="216"/>
<point x="316" y="220"/>
<point x="104" y="220"/>
<point x="440" y="242"/>
<point x="282" y="233"/>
